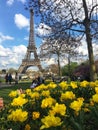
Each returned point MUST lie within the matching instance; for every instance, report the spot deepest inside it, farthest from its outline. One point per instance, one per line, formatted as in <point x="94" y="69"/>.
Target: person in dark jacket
<point x="6" y="78"/>
<point x="10" y="78"/>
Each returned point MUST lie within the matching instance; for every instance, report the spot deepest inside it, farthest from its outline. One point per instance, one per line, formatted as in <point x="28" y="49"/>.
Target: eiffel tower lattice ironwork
<point x="29" y="61"/>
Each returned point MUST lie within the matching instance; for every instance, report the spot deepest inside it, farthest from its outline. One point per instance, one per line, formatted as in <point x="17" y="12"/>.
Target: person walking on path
<point x="16" y="78"/>
<point x="6" y="78"/>
<point x="10" y="78"/>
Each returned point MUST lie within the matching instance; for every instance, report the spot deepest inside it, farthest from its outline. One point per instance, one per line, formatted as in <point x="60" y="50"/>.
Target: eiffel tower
<point x="31" y="57"/>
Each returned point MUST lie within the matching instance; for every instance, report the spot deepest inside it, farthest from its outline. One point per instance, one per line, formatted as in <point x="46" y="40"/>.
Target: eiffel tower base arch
<point x="26" y="64"/>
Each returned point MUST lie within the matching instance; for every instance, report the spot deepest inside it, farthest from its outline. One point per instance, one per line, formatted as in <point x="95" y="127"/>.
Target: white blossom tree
<point x="60" y="48"/>
<point x="80" y="17"/>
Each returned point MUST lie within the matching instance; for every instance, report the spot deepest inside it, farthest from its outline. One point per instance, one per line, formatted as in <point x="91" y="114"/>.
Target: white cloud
<point x="50" y="61"/>
<point x="4" y="63"/>
<point x="5" y="37"/>
<point x="23" y="1"/>
<point x="4" y="51"/>
<point x="21" y="21"/>
<point x="26" y="38"/>
<point x="13" y="60"/>
<point x="21" y="49"/>
<point x="12" y="57"/>
<point x="83" y="49"/>
<point x="95" y="49"/>
<point x="53" y="60"/>
<point x="10" y="2"/>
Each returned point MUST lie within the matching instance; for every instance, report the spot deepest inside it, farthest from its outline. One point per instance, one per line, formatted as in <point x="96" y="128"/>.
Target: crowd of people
<point x="8" y="78"/>
<point x="38" y="80"/>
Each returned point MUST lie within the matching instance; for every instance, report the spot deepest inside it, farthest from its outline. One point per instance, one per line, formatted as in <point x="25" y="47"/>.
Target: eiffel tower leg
<point x="22" y="69"/>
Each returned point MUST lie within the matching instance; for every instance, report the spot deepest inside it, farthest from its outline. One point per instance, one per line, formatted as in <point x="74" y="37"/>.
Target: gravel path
<point x="5" y="85"/>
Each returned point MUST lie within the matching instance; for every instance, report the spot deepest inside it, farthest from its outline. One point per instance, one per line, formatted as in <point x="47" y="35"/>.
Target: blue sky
<point x="15" y="22"/>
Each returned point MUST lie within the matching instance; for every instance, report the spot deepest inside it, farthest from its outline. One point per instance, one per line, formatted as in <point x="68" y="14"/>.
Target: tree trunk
<point x="89" y="43"/>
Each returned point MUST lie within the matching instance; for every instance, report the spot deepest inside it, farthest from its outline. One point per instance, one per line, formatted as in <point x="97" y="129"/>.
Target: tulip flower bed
<point x="63" y="106"/>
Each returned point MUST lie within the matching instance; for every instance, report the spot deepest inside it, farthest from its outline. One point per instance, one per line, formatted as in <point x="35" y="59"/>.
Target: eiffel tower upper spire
<point x="31" y="35"/>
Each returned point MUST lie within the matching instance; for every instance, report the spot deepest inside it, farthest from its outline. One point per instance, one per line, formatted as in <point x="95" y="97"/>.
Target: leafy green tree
<point x="12" y="70"/>
<point x="82" y="71"/>
<point x="65" y="69"/>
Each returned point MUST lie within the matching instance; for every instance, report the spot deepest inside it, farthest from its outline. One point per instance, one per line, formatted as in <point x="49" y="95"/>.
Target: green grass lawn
<point x="4" y="91"/>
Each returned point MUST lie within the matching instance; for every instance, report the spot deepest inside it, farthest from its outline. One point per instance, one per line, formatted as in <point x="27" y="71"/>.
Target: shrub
<point x="63" y="106"/>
